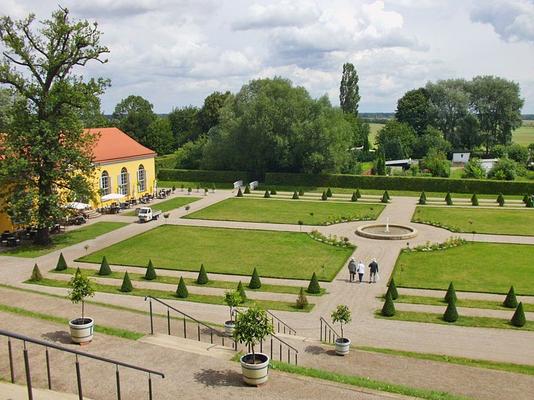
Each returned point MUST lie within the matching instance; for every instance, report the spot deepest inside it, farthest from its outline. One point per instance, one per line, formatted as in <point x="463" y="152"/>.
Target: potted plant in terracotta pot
<point x="232" y="299"/>
<point x="342" y="315"/>
<point x="81" y="329"/>
<point x="251" y="327"/>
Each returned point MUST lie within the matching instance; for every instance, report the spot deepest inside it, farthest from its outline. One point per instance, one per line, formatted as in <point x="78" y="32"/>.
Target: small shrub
<point x="422" y="198"/>
<point x="314" y="287"/>
<point x="530" y="202"/>
<point x="36" y="274"/>
<point x="189" y="190"/>
<point x="104" y="267"/>
<point x="295" y="195"/>
<point x="354" y="197"/>
<point x="301" y="192"/>
<point x="451" y="313"/>
<point x="358" y="194"/>
<point x="510" y="301"/>
<point x="302" y="301"/>
<point x="474" y="200"/>
<point x="342" y="315"/>
<point x="61" y="263"/>
<point x="392" y="290"/>
<point x="239" y="193"/>
<point x="385" y="198"/>
<point x="267" y="194"/>
<point x="388" y="309"/>
<point x="324" y="196"/>
<point x="386" y="193"/>
<point x="150" y="273"/>
<point x="518" y="318"/>
<point x="500" y="200"/>
<point x="329" y="192"/>
<point x="126" y="283"/>
<point x="448" y="199"/>
<point x="241" y="291"/>
<point x="255" y="282"/>
<point x="247" y="189"/>
<point x="273" y="191"/>
<point x="451" y="294"/>
<point x="202" y="278"/>
<point x="525" y="198"/>
<point x="181" y="290"/>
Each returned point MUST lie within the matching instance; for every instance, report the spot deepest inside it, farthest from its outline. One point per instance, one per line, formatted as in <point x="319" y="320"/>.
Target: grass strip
<point x="468" y="362"/>
<point x="217" y="284"/>
<point x="165" y="206"/>
<point x="107" y="330"/>
<point x="364" y="382"/>
<point x="162" y="294"/>
<point x="472" y="322"/>
<point x="467" y="303"/>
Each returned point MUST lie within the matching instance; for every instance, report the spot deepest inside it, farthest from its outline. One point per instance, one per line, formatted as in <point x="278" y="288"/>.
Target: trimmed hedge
<point x="186" y="175"/>
<point x="412" y="183"/>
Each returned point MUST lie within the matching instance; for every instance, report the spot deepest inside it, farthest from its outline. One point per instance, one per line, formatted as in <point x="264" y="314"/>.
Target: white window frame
<point x="105" y="183"/>
<point x="124" y="182"/>
<point x="141" y="178"/>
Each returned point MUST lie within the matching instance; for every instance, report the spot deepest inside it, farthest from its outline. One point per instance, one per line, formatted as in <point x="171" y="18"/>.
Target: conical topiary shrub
<point x="302" y="301"/>
<point x="255" y="282"/>
<point x="328" y="192"/>
<point x="451" y="294"/>
<point x="422" y="198"/>
<point x="510" y="301"/>
<point x="104" y="267"/>
<point x="358" y="194"/>
<point x="530" y="202"/>
<point x="500" y="200"/>
<point x="314" y="287"/>
<point x="451" y="314"/>
<point x="525" y="198"/>
<point x="61" y="263"/>
<point x="150" y="273"/>
<point x="241" y="291"/>
<point x="385" y="198"/>
<point x="181" y="290"/>
<point x="126" y="283"/>
<point x="388" y="309"/>
<point x="474" y="200"/>
<point x="239" y="193"/>
<point x="324" y="196"/>
<point x="392" y="290"/>
<point x="387" y="195"/>
<point x="354" y="197"/>
<point x="202" y="278"/>
<point x="301" y="192"/>
<point x="36" y="274"/>
<point x="273" y="191"/>
<point x="247" y="189"/>
<point x="519" y="319"/>
<point x="448" y="199"/>
<point x="267" y="194"/>
<point x="295" y="195"/>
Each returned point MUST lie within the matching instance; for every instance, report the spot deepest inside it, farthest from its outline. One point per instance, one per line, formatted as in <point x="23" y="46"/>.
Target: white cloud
<point x="282" y="14"/>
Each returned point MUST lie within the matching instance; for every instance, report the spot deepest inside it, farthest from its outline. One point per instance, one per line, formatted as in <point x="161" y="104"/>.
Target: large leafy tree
<point x="134" y="115"/>
<point x="396" y="139"/>
<point x="184" y="124"/>
<point x="159" y="136"/>
<point x="349" y="92"/>
<point x="414" y="109"/>
<point x="210" y="113"/>
<point x="47" y="152"/>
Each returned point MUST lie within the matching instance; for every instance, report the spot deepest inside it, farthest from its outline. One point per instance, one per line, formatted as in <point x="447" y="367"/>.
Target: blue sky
<point x="175" y="53"/>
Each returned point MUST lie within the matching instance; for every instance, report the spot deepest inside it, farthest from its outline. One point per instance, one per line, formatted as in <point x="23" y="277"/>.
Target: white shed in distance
<point x="460" y="158"/>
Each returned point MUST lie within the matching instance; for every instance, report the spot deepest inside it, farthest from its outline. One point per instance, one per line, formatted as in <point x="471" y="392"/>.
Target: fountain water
<point x="387" y="225"/>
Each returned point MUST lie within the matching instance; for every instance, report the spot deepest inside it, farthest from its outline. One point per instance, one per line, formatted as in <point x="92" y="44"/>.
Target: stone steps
<point x="11" y="391"/>
<point x="189" y="346"/>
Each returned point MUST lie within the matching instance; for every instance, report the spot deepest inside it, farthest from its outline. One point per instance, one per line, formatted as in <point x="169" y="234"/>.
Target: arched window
<point x="105" y="183"/>
<point x="124" y="182"/>
<point x="141" y="178"/>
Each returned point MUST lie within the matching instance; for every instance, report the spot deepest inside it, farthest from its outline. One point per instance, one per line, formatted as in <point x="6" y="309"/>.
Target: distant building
<point x="488" y="164"/>
<point x="405" y="164"/>
<point x="460" y="158"/>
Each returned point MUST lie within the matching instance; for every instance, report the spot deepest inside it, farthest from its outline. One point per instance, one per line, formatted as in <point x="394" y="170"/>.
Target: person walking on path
<point x="373" y="267"/>
<point x="361" y="270"/>
<point x="352" y="269"/>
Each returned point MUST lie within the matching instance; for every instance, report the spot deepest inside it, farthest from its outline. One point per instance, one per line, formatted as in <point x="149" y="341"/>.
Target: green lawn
<point x="287" y="211"/>
<point x="230" y="251"/>
<point x="525" y="134"/>
<point x="473" y="267"/>
<point x="480" y="220"/>
<point x="66" y="239"/>
<point x="167" y="205"/>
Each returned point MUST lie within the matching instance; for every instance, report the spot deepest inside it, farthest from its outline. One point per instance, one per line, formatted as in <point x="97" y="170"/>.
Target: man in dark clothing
<point x="374" y="271"/>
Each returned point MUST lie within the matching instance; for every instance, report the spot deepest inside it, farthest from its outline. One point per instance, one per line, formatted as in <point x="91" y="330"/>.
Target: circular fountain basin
<point x="386" y="232"/>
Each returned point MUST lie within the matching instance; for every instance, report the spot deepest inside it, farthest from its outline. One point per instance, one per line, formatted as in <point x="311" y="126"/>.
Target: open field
<point x="373" y="131"/>
<point x="167" y="205"/>
<point x="479" y="220"/>
<point x="62" y="240"/>
<point x="525" y="134"/>
<point x="228" y="251"/>
<point x="287" y="211"/>
<point x="473" y="267"/>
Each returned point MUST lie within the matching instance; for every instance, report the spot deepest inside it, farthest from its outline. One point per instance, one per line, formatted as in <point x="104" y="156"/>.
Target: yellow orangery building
<point x="122" y="166"/>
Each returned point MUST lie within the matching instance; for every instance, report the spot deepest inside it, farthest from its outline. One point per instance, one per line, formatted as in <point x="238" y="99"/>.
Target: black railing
<point x="328" y="334"/>
<point x="49" y="345"/>
<point x="185" y="317"/>
<point x="281" y="349"/>
<point x="281" y="326"/>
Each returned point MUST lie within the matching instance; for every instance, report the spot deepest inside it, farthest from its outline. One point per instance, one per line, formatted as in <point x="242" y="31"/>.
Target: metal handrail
<point x="279" y="321"/>
<point x="331" y="331"/>
<point x="47" y="345"/>
<point x="211" y="329"/>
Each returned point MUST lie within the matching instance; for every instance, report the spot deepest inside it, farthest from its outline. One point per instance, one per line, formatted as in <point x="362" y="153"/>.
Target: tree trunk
<point x="83" y="311"/>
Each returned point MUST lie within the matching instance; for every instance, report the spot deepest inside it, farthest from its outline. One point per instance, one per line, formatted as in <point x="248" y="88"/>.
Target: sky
<point x="176" y="52"/>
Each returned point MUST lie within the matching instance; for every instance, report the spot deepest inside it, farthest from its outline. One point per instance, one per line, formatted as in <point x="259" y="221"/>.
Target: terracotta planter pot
<point x="255" y="374"/>
<point x="342" y="346"/>
<point x="81" y="331"/>
<point x="229" y="328"/>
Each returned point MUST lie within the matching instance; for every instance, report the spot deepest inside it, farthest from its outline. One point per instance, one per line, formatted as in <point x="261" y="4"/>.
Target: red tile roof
<point x="113" y="144"/>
